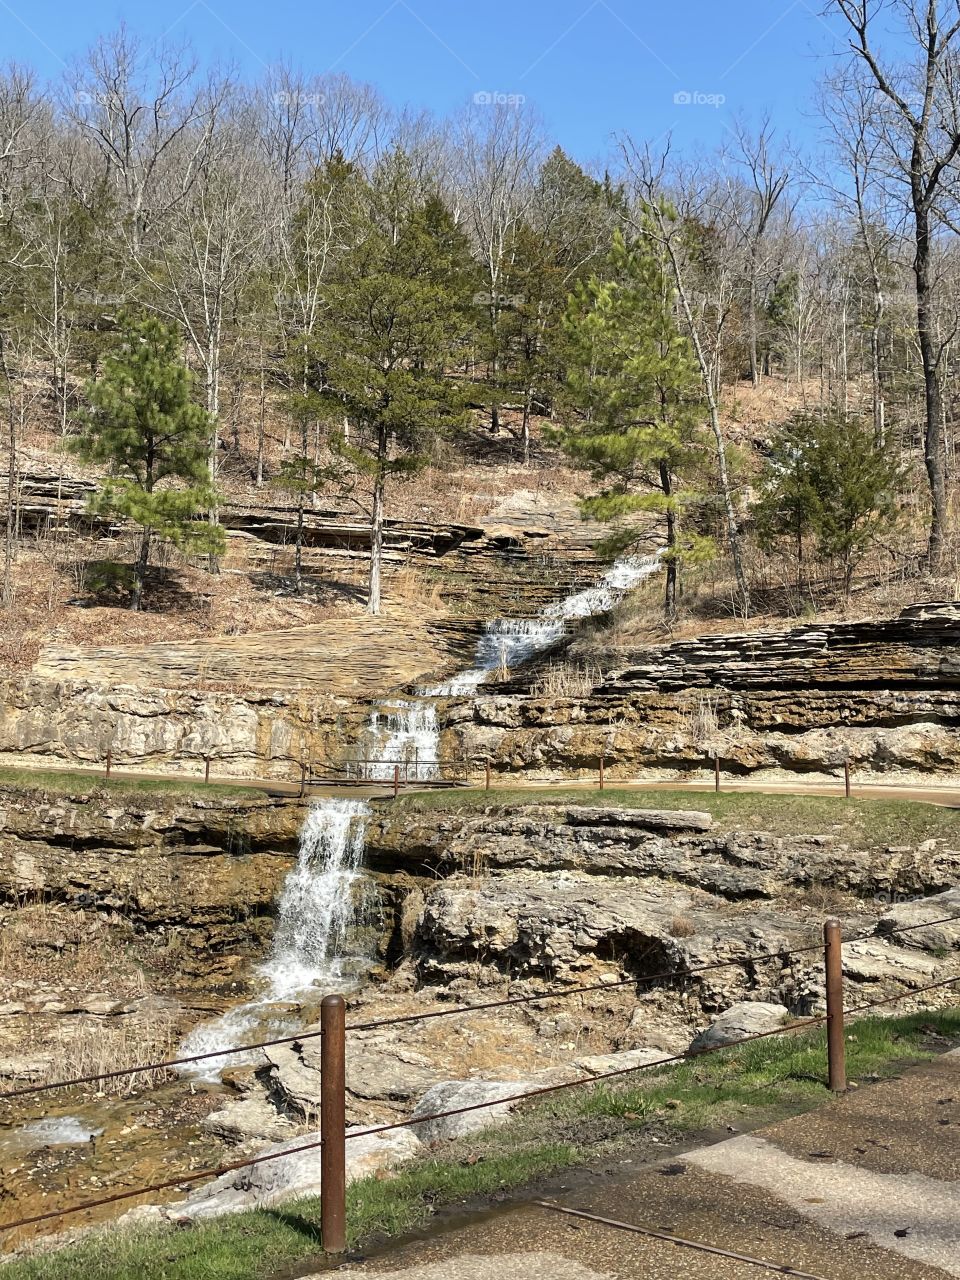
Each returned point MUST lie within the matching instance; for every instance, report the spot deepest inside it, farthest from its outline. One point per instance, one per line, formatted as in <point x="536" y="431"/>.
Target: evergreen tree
<point x="145" y="425"/>
<point x="831" y="480"/>
<point x="632" y="380"/>
<point x="395" y="324"/>
<point x="564" y="239"/>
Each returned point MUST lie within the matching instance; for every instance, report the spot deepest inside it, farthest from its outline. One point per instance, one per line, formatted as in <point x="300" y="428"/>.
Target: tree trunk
<point x="933" y="434"/>
<point x="298" y="551"/>
<point x="525" y="429"/>
<point x="376" y="524"/>
<point x="670" y="590"/>
<point x="261" y="424"/>
<point x="733" y="528"/>
<point x="752" y="306"/>
<point x="213" y="408"/>
<point x="879" y="408"/>
<point x="140" y="571"/>
<point x="11" y="532"/>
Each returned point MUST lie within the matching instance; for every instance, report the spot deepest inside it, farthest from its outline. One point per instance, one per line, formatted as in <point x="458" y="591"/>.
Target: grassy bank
<point x="866" y="820"/>
<point x="745" y="1087"/>
<point x="83" y="783"/>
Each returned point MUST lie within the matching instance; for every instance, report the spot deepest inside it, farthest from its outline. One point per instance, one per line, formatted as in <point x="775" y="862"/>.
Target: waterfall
<point x="316" y="905"/>
<point x="408" y="734"/>
<point x="316" y="909"/>
<point x="405" y="734"/>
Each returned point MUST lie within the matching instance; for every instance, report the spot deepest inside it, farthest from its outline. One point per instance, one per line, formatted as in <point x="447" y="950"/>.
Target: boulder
<point x="273" y="1181"/>
<point x="749" y="1018"/>
<point x="938" y="937"/>
<point x="871" y="961"/>
<point x="449" y="1095"/>
<point x="601" y="1064"/>
<point x="246" y="1119"/>
<point x="381" y="1068"/>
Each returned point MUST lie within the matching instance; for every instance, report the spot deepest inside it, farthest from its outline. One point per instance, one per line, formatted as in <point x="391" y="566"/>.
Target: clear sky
<point x="592" y="67"/>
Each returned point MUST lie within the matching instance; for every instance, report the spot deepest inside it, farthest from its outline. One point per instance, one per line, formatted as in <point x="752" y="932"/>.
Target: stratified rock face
<point x="556" y="894"/>
<point x="569" y="927"/>
<point x="677" y="847"/>
<point x="885" y="695"/>
<point x="254" y="734"/>
<point x="203" y="865"/>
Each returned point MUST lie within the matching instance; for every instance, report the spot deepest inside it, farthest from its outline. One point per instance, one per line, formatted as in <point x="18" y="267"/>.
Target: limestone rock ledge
<point x="885" y="695"/>
<point x="155" y="859"/>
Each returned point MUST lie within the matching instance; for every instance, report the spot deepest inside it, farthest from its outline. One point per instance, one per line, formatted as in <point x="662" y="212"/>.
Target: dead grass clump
<point x="88" y="1046"/>
<point x="681" y="927"/>
<point x="567" y="680"/>
<point x="702" y="723"/>
<point x="412" y="586"/>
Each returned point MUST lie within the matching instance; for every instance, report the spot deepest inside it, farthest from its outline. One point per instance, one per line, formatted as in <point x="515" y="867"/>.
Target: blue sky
<point x="592" y="67"/>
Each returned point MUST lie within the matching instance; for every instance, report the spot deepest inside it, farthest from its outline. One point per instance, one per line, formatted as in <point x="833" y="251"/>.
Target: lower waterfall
<point x="317" y="906"/>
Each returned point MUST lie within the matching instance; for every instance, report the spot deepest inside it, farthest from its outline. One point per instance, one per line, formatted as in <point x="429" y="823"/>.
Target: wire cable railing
<point x="184" y="1179"/>
<point x="670" y="975"/>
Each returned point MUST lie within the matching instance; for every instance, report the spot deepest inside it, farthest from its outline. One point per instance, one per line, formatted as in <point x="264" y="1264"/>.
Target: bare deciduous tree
<point x="915" y="122"/>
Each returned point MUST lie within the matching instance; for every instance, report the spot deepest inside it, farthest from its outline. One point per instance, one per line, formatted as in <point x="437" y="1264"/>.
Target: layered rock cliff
<point x="884" y="695"/>
<point x="211" y="868"/>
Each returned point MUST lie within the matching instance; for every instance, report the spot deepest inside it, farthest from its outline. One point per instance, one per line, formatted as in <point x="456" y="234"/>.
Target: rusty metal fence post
<point x="603" y="765"/>
<point x="106" y="772"/>
<point x="846" y="778"/>
<point x="716" y="774"/>
<point x="396" y="781"/>
<point x="333" y="1125"/>
<point x="487" y="769"/>
<point x="836" y="1047"/>
<point x="206" y="768"/>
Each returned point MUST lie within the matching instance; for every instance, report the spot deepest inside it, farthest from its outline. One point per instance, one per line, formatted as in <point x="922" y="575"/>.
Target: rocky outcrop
<point x="211" y="867"/>
<point x="680" y="847"/>
<point x="885" y="695"/>
<point x="77" y="720"/>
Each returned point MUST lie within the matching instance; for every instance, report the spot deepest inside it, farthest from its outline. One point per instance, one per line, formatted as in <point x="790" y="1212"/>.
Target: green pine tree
<point x="396" y="323"/>
<point x="632" y="381"/>
<point x="830" y="480"/>
<point x="145" y="425"/>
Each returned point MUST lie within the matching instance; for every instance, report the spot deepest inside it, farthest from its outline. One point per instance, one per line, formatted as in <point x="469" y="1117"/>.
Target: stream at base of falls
<point x="325" y="898"/>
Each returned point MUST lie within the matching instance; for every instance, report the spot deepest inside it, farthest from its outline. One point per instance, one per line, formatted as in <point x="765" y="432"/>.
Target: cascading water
<point x="317" y="907"/>
<point x="317" y="903"/>
<point x="405" y="734"/>
<point x="408" y="734"/>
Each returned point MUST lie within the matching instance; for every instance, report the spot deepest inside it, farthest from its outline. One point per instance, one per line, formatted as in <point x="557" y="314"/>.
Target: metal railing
<point x="333" y="1033"/>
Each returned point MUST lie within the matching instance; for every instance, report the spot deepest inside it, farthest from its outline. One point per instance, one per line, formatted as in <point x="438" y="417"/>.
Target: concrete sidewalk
<point x="866" y="1186"/>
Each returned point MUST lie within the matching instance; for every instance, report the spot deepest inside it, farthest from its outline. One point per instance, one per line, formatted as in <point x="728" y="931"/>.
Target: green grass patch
<point x="79" y="783"/>
<point x="867" y="821"/>
<point x="757" y="1083"/>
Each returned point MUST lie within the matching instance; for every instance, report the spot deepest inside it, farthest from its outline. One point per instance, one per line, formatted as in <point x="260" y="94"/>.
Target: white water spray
<point x="317" y="903"/>
<point x="317" y="907"/>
